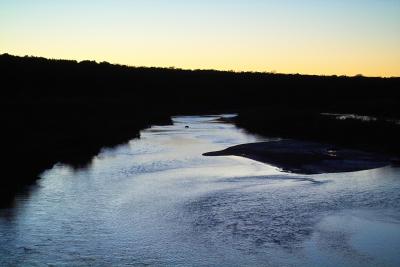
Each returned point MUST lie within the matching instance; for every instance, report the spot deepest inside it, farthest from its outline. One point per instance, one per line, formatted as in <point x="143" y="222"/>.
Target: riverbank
<point x="66" y="111"/>
<point x="43" y="132"/>
<point x="379" y="135"/>
<point x="305" y="157"/>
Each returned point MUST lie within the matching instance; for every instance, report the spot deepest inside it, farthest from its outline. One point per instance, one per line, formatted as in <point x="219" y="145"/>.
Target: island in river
<point x="304" y="157"/>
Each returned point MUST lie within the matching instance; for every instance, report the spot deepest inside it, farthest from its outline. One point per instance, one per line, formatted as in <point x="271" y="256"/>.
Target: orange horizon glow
<point x="304" y="36"/>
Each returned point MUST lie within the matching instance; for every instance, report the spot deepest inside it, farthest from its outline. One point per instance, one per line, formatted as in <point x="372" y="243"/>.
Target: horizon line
<point x="272" y="72"/>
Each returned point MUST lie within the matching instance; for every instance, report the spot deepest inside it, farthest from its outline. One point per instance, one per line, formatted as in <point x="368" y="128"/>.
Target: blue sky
<point x="291" y="36"/>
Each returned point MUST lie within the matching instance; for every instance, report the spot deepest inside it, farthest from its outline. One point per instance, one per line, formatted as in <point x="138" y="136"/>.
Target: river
<point x="157" y="201"/>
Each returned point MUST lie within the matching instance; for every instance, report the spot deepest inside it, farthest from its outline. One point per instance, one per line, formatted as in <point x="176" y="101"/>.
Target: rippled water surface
<point x="158" y="201"/>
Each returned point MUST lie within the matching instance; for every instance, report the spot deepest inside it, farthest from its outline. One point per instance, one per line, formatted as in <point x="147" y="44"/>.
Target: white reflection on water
<point x="157" y="201"/>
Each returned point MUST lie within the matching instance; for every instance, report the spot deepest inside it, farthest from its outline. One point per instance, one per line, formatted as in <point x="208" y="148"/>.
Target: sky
<point x="342" y="37"/>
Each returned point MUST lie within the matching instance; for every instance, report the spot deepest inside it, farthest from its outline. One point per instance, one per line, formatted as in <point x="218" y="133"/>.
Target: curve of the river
<point x="157" y="201"/>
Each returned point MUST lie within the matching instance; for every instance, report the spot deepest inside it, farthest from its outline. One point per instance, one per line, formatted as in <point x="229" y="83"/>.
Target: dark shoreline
<point x="306" y="157"/>
<point x="64" y="136"/>
<point x="66" y="111"/>
<point x="379" y="136"/>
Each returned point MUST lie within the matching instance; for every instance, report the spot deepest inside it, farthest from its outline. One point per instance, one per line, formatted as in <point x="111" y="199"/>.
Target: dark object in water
<point x="186" y="126"/>
<point x="306" y="157"/>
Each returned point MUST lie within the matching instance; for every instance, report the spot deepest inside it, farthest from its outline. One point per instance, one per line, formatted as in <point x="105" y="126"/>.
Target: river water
<point x="157" y="201"/>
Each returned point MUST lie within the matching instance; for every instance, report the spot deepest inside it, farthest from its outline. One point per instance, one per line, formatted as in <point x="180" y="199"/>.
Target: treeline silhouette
<point x="66" y="111"/>
<point x="379" y="135"/>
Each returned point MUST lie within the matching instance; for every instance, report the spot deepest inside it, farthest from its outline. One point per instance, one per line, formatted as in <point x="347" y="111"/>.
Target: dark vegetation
<point x="66" y="111"/>
<point x="380" y="135"/>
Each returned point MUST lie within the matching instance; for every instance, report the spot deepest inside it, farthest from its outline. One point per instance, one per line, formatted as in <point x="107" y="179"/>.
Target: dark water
<point x="158" y="201"/>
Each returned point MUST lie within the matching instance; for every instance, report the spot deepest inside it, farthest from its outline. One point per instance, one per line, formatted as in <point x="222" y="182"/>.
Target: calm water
<point x="158" y="201"/>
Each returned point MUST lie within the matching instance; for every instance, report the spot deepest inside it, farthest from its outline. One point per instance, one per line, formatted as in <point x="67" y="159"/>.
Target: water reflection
<point x="157" y="201"/>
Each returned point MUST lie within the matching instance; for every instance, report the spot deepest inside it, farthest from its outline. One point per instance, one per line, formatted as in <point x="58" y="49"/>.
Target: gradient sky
<point x="289" y="36"/>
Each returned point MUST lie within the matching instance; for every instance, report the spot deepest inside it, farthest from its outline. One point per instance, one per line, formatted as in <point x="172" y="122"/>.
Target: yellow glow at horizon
<point x="282" y="47"/>
<point x="232" y="57"/>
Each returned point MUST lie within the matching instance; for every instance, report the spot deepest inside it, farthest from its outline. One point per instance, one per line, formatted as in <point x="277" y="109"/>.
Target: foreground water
<point x="158" y="201"/>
